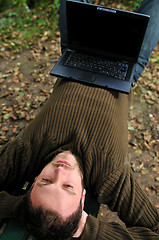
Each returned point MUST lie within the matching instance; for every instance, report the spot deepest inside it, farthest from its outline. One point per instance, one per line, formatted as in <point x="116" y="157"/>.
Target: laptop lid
<point x="105" y="31"/>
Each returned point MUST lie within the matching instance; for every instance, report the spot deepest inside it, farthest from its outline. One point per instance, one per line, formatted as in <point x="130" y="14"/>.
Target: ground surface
<point x="25" y="84"/>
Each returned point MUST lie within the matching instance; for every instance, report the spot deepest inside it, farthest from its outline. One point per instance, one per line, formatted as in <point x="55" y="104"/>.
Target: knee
<point x="149" y="7"/>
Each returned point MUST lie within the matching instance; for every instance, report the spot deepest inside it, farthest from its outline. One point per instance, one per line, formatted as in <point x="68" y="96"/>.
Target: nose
<point x="60" y="172"/>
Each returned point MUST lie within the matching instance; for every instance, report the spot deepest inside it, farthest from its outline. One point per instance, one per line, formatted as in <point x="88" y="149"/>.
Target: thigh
<point x="151" y="37"/>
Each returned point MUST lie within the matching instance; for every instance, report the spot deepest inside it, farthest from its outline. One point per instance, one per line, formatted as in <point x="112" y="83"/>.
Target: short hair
<point x="45" y="224"/>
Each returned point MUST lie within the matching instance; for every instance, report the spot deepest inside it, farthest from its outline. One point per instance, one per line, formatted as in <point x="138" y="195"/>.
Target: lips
<point x="64" y="162"/>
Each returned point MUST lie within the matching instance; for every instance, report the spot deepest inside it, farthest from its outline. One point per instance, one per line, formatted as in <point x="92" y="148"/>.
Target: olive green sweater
<point x="113" y="231"/>
<point x="91" y="122"/>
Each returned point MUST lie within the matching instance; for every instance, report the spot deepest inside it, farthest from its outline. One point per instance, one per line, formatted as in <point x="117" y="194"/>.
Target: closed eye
<point x="68" y="186"/>
<point x="45" y="180"/>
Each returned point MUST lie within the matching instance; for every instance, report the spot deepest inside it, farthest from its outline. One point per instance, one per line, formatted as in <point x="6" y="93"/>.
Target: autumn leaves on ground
<point x="25" y="84"/>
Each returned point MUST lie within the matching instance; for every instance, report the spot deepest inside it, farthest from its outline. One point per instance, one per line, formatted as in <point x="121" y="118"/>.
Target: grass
<point x="18" y="31"/>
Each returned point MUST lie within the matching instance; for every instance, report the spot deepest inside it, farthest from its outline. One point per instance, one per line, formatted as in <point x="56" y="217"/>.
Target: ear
<point x="83" y="197"/>
<point x="81" y="225"/>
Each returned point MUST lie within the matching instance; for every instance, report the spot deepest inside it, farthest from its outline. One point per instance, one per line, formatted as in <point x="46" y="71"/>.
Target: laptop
<point x="103" y="45"/>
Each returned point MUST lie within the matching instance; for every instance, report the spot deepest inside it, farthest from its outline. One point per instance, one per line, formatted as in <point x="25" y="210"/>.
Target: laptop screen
<point x="105" y="31"/>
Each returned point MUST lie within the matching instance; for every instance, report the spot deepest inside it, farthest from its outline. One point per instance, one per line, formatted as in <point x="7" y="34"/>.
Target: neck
<point x="81" y="225"/>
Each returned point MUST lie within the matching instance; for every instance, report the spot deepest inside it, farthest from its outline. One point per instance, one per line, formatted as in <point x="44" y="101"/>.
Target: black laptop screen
<point x="105" y="31"/>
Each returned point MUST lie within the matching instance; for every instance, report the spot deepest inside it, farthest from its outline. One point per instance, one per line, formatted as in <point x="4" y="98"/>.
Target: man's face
<point x="59" y="186"/>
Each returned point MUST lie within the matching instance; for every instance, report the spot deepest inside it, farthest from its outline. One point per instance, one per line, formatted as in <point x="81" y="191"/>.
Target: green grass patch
<point x="19" y="32"/>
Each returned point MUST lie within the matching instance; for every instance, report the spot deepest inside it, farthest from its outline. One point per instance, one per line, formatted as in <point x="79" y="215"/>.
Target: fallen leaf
<point x="147" y="136"/>
<point x="13" y="116"/>
<point x="6" y="116"/>
<point x="42" y="98"/>
<point x="157" y="179"/>
<point x="144" y="171"/>
<point x="5" y="129"/>
<point x="138" y="152"/>
<point x="21" y="94"/>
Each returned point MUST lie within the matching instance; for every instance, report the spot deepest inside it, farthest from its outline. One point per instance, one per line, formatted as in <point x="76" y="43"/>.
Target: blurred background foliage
<point x="23" y="22"/>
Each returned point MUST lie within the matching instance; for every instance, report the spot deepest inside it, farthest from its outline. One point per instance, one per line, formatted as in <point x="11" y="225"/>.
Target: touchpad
<point x="86" y="76"/>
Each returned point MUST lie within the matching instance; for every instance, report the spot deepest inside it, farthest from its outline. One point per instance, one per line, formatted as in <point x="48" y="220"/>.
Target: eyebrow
<point x="67" y="190"/>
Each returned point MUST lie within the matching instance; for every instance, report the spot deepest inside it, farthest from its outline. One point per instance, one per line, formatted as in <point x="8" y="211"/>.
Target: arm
<point x="11" y="176"/>
<point x="122" y="194"/>
<point x="22" y="159"/>
<point x="95" y="229"/>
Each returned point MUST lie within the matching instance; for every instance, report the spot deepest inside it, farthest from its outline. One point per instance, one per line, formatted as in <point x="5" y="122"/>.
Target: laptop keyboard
<point x="115" y="69"/>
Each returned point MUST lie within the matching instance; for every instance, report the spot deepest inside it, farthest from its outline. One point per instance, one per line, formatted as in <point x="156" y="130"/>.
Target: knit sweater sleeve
<point x="11" y="176"/>
<point x="20" y="162"/>
<point x="121" y="192"/>
<point x="9" y="204"/>
<point x="101" y="230"/>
